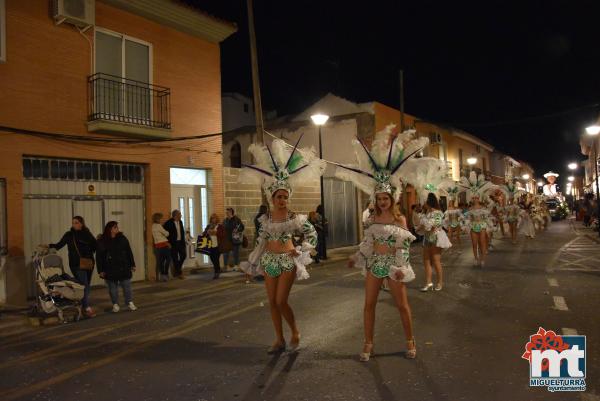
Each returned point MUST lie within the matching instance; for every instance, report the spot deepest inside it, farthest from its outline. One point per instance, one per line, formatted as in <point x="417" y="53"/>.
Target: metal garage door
<point x="56" y="190"/>
<point x="340" y="209"/>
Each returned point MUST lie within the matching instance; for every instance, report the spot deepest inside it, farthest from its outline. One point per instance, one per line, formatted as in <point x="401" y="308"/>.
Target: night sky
<point x="522" y="75"/>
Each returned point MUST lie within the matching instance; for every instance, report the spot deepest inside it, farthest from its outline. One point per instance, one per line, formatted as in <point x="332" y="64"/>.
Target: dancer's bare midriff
<point x="279" y="247"/>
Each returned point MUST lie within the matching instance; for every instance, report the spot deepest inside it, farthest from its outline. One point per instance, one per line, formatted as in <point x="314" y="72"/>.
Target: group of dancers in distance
<point x="384" y="253"/>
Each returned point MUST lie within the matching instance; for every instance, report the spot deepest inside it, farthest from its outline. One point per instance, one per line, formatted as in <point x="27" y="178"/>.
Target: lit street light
<point x="526" y="176"/>
<point x="572" y="166"/>
<point x="571" y="179"/>
<point x="593" y="131"/>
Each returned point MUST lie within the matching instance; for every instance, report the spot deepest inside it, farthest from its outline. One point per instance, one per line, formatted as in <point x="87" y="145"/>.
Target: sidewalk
<point x="198" y="280"/>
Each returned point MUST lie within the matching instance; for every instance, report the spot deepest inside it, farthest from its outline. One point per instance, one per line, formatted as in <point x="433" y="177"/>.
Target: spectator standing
<point x="313" y="218"/>
<point x="216" y="231"/>
<point x="162" y="247"/>
<point x="234" y="233"/>
<point x="177" y="240"/>
<point x="81" y="246"/>
<point x="116" y="264"/>
<point x="322" y="229"/>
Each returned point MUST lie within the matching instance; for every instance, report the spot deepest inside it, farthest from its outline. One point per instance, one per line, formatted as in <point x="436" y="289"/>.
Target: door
<point x="341" y="211"/>
<point x="186" y="199"/>
<point x="92" y="212"/>
<point x="129" y="213"/>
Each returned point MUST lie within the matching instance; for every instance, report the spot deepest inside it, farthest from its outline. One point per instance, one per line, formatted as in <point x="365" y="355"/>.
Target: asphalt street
<point x="200" y="339"/>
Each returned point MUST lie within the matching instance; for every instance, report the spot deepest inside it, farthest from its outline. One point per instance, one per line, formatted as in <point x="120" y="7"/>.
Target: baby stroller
<point x="59" y="292"/>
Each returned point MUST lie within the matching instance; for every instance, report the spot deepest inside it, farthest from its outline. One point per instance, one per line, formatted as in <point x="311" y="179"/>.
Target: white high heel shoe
<point x="427" y="287"/>
<point x="365" y="356"/>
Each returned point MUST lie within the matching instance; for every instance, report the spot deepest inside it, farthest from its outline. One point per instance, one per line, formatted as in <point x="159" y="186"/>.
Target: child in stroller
<point x="59" y="292"/>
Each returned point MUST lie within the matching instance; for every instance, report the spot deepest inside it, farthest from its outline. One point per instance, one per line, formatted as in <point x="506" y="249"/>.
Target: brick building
<point x="92" y="119"/>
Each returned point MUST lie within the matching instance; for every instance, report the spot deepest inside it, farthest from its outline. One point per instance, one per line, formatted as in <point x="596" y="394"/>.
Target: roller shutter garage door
<point x="55" y="190"/>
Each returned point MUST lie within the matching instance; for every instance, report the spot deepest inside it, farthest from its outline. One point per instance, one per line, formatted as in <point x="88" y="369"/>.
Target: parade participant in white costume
<point x="550" y="188"/>
<point x="512" y="211"/>
<point x="278" y="171"/>
<point x="428" y="181"/>
<point x="384" y="250"/>
<point x="453" y="217"/>
<point x="478" y="217"/>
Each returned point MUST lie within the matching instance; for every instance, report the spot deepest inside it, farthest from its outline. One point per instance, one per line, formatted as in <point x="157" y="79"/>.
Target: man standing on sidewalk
<point x="177" y="240"/>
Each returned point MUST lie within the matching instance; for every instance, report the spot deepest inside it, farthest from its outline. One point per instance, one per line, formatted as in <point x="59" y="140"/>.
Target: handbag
<point x="204" y="244"/>
<point x="84" y="263"/>
<point x="237" y="237"/>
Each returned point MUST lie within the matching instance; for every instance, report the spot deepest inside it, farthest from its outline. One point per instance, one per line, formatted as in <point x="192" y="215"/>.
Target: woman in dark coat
<point x="116" y="264"/>
<point x="81" y="244"/>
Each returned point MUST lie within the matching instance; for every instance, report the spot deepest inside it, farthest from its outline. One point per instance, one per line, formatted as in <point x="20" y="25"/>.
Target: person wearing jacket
<point x="234" y="230"/>
<point x="216" y="231"/>
<point x="80" y="244"/>
<point x="177" y="240"/>
<point x="116" y="264"/>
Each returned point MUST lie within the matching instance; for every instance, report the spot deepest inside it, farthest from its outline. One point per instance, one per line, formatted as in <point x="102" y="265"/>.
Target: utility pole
<point x="255" y="78"/>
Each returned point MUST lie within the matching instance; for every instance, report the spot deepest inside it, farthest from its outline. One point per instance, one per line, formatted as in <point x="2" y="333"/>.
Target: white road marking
<point x="560" y="303"/>
<point x="552" y="282"/>
<point x="567" y="331"/>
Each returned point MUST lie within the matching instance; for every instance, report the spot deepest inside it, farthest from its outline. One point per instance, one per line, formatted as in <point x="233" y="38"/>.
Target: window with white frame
<point x="123" y="67"/>
<point x="2" y="31"/>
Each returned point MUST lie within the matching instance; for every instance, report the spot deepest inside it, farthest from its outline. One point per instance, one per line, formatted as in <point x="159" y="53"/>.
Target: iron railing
<point x="119" y="99"/>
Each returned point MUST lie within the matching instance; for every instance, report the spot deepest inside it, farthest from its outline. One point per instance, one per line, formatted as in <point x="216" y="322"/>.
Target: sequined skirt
<point x="276" y="263"/>
<point x="386" y="265"/>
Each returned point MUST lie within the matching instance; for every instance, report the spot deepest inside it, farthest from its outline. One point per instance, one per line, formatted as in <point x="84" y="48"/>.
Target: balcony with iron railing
<point x="118" y="105"/>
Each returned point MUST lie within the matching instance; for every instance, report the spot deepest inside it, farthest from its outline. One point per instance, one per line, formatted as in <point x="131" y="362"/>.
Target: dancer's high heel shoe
<point x="365" y="356"/>
<point x="427" y="287"/>
<point x="411" y="349"/>
<point x="294" y="344"/>
<point x="276" y="348"/>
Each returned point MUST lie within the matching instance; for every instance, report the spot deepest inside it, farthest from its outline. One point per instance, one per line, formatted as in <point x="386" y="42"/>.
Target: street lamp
<point x="525" y="176"/>
<point x="471" y="162"/>
<point x="572" y="166"/>
<point x="319" y="120"/>
<point x="571" y="179"/>
<point x="593" y="131"/>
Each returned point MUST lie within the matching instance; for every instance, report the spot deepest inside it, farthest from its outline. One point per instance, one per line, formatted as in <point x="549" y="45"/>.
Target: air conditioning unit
<point x="435" y="137"/>
<point x="81" y="13"/>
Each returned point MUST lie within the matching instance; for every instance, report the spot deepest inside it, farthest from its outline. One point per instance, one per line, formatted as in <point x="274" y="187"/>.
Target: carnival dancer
<point x="384" y="250"/>
<point x="476" y="188"/>
<point x="512" y="210"/>
<point x="279" y="169"/>
<point x="526" y="225"/>
<point x="493" y="227"/>
<point x="453" y="216"/>
<point x="429" y="180"/>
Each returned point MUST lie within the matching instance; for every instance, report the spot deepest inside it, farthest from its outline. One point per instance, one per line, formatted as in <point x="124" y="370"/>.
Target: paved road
<point x="203" y="340"/>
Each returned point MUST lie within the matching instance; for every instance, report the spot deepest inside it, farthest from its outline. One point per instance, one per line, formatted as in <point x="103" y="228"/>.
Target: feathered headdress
<point x="280" y="167"/>
<point x="511" y="189"/>
<point x="451" y="188"/>
<point x="427" y="175"/>
<point x="379" y="169"/>
<point x="475" y="185"/>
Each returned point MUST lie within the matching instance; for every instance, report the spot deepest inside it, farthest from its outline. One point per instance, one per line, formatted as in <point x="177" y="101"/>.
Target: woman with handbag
<point x="116" y="264"/>
<point x="216" y="232"/>
<point x="162" y="247"/>
<point x="81" y="246"/>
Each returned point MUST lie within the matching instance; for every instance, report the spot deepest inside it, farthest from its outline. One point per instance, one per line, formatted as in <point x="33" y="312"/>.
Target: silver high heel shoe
<point x="276" y="349"/>
<point x="365" y="356"/>
<point x="427" y="287"/>
<point x="411" y="353"/>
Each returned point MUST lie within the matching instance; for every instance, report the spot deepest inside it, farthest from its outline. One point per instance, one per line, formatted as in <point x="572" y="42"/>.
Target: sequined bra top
<point x="283" y="231"/>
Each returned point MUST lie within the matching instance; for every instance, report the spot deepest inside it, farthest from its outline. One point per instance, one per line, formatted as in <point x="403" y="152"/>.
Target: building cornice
<point x="179" y="17"/>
